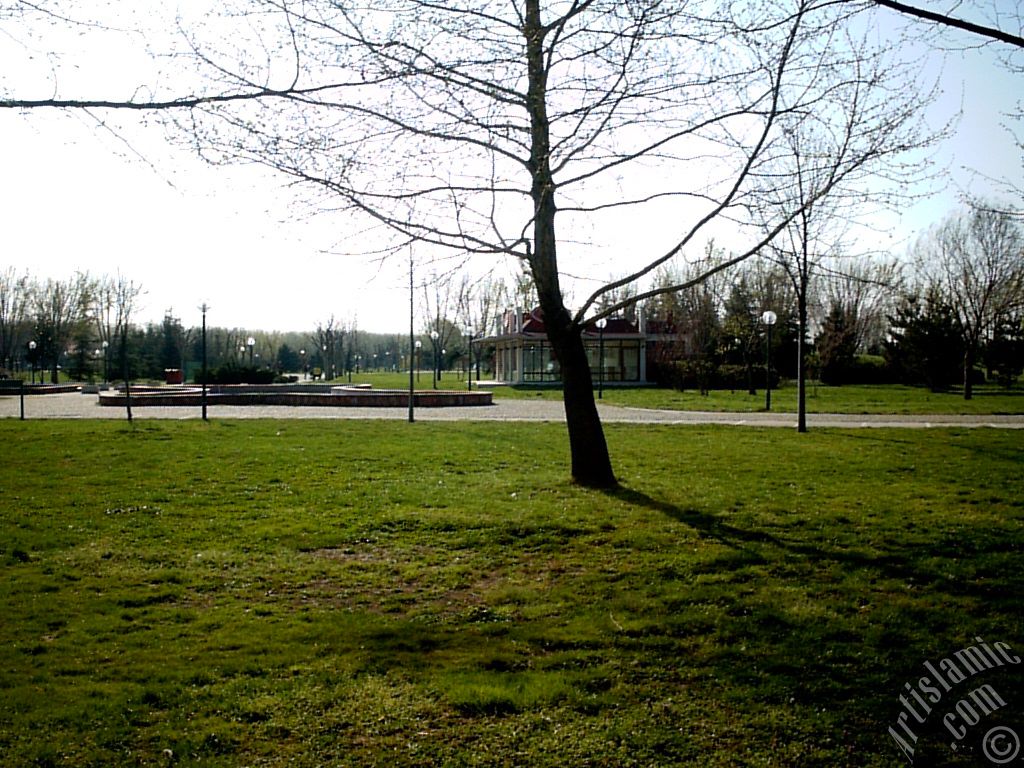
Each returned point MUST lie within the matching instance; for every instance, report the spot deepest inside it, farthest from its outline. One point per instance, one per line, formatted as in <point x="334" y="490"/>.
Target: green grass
<point x="373" y="593"/>
<point x="887" y="399"/>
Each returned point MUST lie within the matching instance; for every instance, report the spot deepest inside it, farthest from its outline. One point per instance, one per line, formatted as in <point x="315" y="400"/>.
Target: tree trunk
<point x="591" y="465"/>
<point x="801" y="369"/>
<point x="968" y="373"/>
<point x="124" y="370"/>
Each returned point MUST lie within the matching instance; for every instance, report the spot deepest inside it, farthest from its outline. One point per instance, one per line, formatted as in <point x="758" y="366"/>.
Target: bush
<point x="233" y="374"/>
<point x="690" y="374"/>
<point x="866" y="369"/>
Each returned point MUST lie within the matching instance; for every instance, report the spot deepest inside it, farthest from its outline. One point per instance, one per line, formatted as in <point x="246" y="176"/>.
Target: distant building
<point x="523" y="354"/>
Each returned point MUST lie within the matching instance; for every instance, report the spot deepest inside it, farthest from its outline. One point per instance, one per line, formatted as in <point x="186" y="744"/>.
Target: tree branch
<point x="993" y="33"/>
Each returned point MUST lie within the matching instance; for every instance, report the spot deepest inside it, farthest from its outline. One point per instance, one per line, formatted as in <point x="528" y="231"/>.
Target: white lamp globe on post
<point x="600" y="356"/>
<point x="768" y="318"/>
<point x="434" y="335"/>
<point x="32" y="354"/>
<point x="468" y="333"/>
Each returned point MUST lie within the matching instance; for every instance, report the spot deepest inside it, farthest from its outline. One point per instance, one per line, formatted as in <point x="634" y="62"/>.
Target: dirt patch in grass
<point x="417" y="581"/>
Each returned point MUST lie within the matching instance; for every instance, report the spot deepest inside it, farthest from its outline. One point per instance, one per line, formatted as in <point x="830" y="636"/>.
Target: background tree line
<point x="953" y="312"/>
<point x="81" y="329"/>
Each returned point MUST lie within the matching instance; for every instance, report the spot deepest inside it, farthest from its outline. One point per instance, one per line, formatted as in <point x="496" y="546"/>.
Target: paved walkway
<point x="79" y="406"/>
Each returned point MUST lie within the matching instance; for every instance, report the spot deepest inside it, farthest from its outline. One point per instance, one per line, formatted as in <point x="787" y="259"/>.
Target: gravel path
<point x="79" y="406"/>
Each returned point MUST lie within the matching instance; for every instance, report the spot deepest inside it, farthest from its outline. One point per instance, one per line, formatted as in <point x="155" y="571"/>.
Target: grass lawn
<point x="892" y="399"/>
<point x="314" y="593"/>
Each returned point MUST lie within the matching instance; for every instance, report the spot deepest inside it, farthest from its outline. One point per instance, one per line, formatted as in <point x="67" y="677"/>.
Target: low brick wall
<point x="11" y="387"/>
<point x="363" y="398"/>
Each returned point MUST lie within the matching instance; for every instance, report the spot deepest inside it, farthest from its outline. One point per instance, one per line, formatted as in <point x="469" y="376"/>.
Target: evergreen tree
<point x="1004" y="354"/>
<point x="925" y="345"/>
<point x="172" y="338"/>
<point x="288" y="359"/>
<point x="837" y="345"/>
<point x="742" y="332"/>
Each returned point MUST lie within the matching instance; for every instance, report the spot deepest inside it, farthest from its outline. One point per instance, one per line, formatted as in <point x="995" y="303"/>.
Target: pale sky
<point x="75" y="197"/>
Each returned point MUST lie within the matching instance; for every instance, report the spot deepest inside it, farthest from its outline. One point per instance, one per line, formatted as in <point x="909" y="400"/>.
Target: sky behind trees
<point x="80" y="196"/>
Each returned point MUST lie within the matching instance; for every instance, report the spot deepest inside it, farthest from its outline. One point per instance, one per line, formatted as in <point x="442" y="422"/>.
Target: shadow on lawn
<point x="875" y="612"/>
<point x="901" y="562"/>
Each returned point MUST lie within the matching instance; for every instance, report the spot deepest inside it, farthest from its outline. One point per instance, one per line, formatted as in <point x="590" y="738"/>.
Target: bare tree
<point x="490" y="127"/>
<point x="270" y="341"/>
<point x="59" y="307"/>
<point x="104" y="303"/>
<point x="329" y="338"/>
<point x="15" y="297"/>
<point x="977" y="261"/>
<point x="125" y="295"/>
<point x="689" y="319"/>
<point x="479" y="304"/>
<point x="825" y="163"/>
<point x="540" y="103"/>
<point x="623" y="297"/>
<point x="867" y="292"/>
<point x="443" y="304"/>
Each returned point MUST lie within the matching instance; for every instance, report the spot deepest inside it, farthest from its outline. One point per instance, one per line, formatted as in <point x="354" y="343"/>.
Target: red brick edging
<point x="360" y="399"/>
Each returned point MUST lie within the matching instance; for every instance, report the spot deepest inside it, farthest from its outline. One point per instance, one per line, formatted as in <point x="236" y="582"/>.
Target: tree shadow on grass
<point x="855" y="623"/>
<point x="897" y="563"/>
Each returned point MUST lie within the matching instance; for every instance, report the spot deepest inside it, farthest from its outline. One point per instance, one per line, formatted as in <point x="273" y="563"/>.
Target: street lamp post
<point x="106" y="365"/>
<point x="437" y="366"/>
<point x="204" y="309"/>
<point x="469" y="360"/>
<point x="419" y="358"/>
<point x="600" y="356"/>
<point x="329" y="356"/>
<point x="32" y="353"/>
<point x="251" y="343"/>
<point x="302" y="357"/>
<point x="414" y="345"/>
<point x="768" y="318"/>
